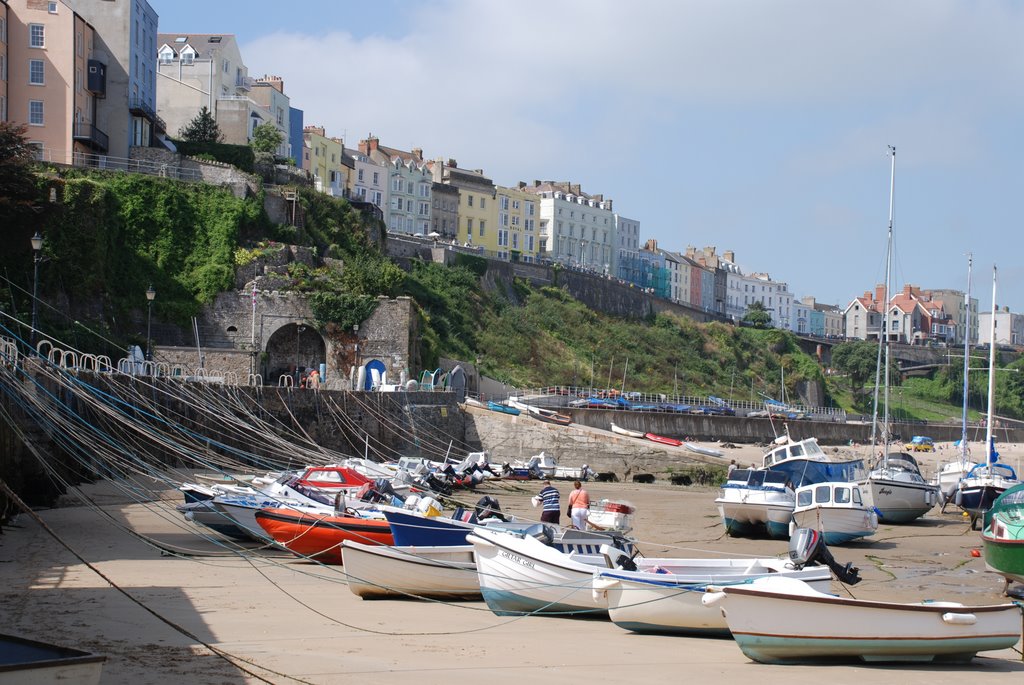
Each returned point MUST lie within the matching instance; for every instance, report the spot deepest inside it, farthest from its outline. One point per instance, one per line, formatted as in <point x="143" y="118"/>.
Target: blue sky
<point x="752" y="125"/>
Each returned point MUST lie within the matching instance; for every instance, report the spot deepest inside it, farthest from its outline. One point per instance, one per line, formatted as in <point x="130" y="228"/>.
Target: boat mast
<point x="883" y="332"/>
<point x="888" y="285"/>
<point x="989" y="451"/>
<point x="967" y="358"/>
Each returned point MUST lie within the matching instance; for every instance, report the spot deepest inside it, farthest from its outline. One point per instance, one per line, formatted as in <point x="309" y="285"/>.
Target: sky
<point x="757" y="126"/>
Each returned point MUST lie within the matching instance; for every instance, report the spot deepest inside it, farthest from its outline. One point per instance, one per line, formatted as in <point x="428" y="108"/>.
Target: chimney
<point x="275" y="82"/>
<point x="536" y="183"/>
<point x="319" y="130"/>
<point x="522" y="185"/>
<point x="729" y="256"/>
<point x="908" y="290"/>
<point x="575" y="189"/>
<point x="417" y="152"/>
<point x="452" y="163"/>
<point x="880" y="293"/>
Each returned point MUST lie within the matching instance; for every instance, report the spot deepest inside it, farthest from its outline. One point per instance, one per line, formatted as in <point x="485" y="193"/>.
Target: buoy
<point x="975" y="552"/>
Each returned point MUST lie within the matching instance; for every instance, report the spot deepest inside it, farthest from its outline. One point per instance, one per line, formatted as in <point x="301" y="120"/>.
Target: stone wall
<point x="387" y="335"/>
<point x="238" y="182"/>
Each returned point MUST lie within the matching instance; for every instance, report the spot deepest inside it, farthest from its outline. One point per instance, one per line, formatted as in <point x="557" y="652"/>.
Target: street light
<point x="37" y="249"/>
<point x="355" y="332"/>
<point x="150" y="296"/>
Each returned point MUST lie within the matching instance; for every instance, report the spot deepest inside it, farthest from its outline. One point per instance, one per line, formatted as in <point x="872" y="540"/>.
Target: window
<point x="3" y="30"/>
<point x="35" y="112"/>
<point x="36" y="36"/>
<point x="469" y="200"/>
<point x="483" y="202"/>
<point x="3" y="72"/>
<point x="424" y="209"/>
<point x="166" y="56"/>
<point x="482" y="223"/>
<point x="188" y="57"/>
<point x="35" y="72"/>
<point x="504" y="203"/>
<point x="469" y="227"/>
<point x="376" y="175"/>
<point x="359" y="175"/>
<point x="51" y="7"/>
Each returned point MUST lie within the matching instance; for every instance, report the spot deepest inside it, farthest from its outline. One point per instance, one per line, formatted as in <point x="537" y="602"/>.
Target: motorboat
<point x="382" y="571"/>
<point x="778" y="620"/>
<point x="837" y="509"/>
<point x="897" y="490"/>
<point x="318" y="536"/>
<point x="1002" y="535"/>
<point x="756" y="502"/>
<point x="625" y="432"/>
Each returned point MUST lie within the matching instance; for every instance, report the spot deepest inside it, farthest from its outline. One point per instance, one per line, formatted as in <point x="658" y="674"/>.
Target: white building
<point x="575" y="228"/>
<point x="626" y="255"/>
<point x="370" y="181"/>
<point x="1009" y="327"/>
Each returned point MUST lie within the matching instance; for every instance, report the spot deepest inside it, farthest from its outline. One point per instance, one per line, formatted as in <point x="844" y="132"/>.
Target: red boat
<point x="663" y="440"/>
<point x="332" y="477"/>
<point x="319" y="536"/>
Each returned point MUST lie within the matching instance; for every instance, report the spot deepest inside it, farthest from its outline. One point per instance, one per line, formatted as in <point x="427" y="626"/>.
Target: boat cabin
<point x="832" y="494"/>
<point x="758" y="479"/>
<point x="328" y="477"/>
<point x="807" y="449"/>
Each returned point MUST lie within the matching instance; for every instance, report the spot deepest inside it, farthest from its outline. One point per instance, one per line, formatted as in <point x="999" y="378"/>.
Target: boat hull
<point x="319" y="536"/>
<point x="380" y="571"/>
<point x="663" y="440"/>
<point x="837" y="525"/>
<point x="898" y="500"/>
<point x="776" y="623"/>
<point x="1005" y="557"/>
<point x="754" y="518"/>
<point x="645" y="602"/>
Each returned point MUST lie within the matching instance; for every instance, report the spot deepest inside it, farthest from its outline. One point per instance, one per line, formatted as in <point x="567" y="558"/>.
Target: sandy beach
<point x="273" y="618"/>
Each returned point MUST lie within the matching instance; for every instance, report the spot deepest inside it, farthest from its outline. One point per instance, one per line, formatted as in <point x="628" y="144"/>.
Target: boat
<point x="898" y="491"/>
<point x="503" y="408"/>
<point x="415" y="529"/>
<point x="381" y="571"/>
<point x="986" y="482"/>
<point x="663" y="440"/>
<point x="706" y="451"/>
<point x="319" y="536"/>
<point x="1002" y="535"/>
<point x="784" y="621"/>
<point x="668" y="599"/>
<point x="952" y="472"/>
<point x="894" y="485"/>
<point x="31" y="662"/>
<point x="837" y="509"/>
<point x="619" y="430"/>
<point x="542" y="570"/>
<point x="540" y="413"/>
<point x="206" y="514"/>
<point x="756" y="502"/>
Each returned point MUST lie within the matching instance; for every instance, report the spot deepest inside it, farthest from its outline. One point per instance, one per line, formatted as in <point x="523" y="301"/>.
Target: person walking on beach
<point x="579" y="506"/>
<point x="551" y="500"/>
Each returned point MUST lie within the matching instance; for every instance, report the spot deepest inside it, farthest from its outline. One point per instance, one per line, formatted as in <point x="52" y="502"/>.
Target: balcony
<point x="91" y="136"/>
<point x="140" y="107"/>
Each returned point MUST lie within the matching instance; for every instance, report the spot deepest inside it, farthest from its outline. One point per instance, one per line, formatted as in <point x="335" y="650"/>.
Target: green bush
<point x="241" y="156"/>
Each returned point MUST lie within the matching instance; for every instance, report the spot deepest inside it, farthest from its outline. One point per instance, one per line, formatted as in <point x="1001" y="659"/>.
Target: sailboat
<point x="952" y="472"/>
<point x="894" y="484"/>
<point x="985" y="482"/>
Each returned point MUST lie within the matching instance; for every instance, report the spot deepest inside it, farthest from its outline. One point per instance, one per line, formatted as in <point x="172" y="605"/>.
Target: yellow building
<point x="518" y="214"/>
<point x="478" y="207"/>
<point x="326" y="160"/>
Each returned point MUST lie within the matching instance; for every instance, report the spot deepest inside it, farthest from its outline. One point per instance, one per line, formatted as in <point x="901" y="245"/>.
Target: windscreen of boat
<point x="904" y="461"/>
<point x="1011" y="499"/>
<point x="801" y="472"/>
<point x="739" y="477"/>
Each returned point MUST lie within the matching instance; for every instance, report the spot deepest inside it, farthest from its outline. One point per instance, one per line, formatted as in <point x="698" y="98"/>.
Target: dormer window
<point x="188" y="55"/>
<point x="166" y="55"/>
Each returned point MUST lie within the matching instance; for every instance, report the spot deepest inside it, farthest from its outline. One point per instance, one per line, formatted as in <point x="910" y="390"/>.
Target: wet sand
<point x="277" y="619"/>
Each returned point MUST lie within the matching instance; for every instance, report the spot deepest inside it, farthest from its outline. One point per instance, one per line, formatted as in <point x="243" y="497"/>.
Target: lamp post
<point x="355" y="332"/>
<point x="37" y="249"/>
<point x="150" y="296"/>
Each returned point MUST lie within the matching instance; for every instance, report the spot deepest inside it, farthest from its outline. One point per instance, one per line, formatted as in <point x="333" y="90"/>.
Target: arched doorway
<point x="290" y="350"/>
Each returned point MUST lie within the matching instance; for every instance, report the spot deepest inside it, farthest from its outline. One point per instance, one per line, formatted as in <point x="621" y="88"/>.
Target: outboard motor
<point x="488" y="507"/>
<point x="807" y="546"/>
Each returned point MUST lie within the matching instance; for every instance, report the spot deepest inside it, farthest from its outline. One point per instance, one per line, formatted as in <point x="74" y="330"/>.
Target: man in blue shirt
<point x="550" y="499"/>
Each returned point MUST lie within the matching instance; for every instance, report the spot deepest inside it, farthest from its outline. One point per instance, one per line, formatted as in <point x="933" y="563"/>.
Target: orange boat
<point x="663" y="439"/>
<point x="319" y="536"/>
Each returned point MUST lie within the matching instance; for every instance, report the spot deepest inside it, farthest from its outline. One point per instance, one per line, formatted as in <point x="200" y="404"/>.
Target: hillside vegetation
<point x="110" y="235"/>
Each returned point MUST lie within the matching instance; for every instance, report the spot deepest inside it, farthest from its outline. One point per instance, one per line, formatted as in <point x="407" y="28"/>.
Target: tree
<point x="757" y="316"/>
<point x="18" y="190"/>
<point x="858" y="359"/>
<point x="202" y="129"/>
<point x="266" y="138"/>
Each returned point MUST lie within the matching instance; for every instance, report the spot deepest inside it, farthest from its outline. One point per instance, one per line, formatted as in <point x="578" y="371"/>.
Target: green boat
<point x="1003" y="535"/>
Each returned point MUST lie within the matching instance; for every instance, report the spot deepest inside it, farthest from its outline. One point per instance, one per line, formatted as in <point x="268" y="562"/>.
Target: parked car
<point x="921" y="443"/>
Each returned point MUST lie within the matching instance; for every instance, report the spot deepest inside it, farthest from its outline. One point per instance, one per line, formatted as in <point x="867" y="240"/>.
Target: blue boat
<point x="414" y="530"/>
<point x="503" y="408"/>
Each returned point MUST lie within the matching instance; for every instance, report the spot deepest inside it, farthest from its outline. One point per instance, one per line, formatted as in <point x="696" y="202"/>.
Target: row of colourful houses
<point x="93" y="79"/>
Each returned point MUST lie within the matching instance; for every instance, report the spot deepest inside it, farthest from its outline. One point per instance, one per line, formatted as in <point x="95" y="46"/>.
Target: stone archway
<point x="295" y="345"/>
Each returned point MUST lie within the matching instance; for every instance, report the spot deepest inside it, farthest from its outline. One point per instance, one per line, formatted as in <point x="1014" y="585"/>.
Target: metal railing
<point x="108" y="163"/>
<point x="89" y="132"/>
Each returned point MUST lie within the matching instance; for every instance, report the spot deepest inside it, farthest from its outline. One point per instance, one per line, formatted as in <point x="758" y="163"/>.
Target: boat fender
<point x="712" y="598"/>
<point x="599" y="588"/>
<point x="958" y="619"/>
